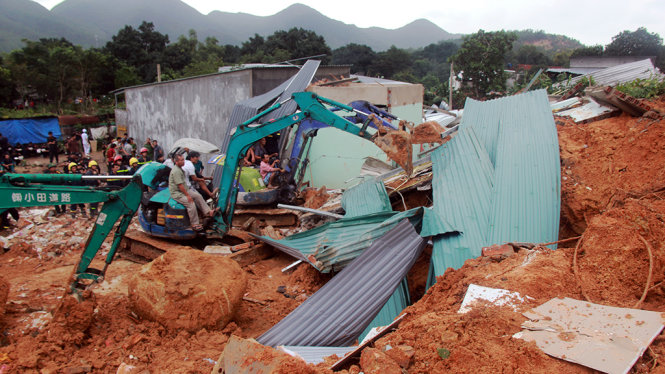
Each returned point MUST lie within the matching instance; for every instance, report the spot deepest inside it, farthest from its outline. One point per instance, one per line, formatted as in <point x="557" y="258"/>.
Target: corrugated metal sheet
<point x="315" y="355"/>
<point x="586" y="111"/>
<point x="526" y="199"/>
<point x="498" y="180"/>
<point x="336" y="244"/>
<point x="462" y="189"/>
<point x="622" y="73"/>
<point x="399" y="300"/>
<point x="366" y="198"/>
<point x="337" y="313"/>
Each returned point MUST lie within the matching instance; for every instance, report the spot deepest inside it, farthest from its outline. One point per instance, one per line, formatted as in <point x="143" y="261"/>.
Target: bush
<point x="643" y="88"/>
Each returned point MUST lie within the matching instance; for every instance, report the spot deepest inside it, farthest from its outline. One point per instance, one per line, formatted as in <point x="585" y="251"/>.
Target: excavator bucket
<point x="397" y="145"/>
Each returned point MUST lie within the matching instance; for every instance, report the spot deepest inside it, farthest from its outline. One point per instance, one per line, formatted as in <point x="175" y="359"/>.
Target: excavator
<point x="27" y="190"/>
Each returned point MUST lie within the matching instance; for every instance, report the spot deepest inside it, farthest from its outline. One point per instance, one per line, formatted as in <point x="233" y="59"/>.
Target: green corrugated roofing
<point x="335" y="244"/>
<point x="462" y="188"/>
<point x="498" y="180"/>
<point x="366" y="198"/>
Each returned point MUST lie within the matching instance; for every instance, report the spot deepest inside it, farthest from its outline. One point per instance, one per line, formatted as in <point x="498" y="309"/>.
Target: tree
<point x="391" y="62"/>
<point x="181" y="53"/>
<point x="142" y="49"/>
<point x="481" y="59"/>
<point x="594" y="50"/>
<point x="7" y="91"/>
<point x="297" y="43"/>
<point x="360" y="56"/>
<point x="49" y="67"/>
<point x="638" y="43"/>
<point x="531" y="55"/>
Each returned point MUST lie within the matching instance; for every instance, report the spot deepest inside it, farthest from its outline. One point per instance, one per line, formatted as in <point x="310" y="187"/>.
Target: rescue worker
<point x="93" y="169"/>
<point x="74" y="169"/>
<point x="143" y="156"/>
<point x="133" y="166"/>
<point x="187" y="197"/>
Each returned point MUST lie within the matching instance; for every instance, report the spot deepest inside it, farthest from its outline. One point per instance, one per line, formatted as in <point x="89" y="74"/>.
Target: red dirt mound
<point x="188" y="289"/>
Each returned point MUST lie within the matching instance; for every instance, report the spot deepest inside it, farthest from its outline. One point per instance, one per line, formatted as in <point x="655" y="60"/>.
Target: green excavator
<point x="29" y="190"/>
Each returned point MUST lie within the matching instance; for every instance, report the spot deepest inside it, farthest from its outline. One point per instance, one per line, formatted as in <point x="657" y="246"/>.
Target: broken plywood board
<point x="272" y="217"/>
<point x="604" y="338"/>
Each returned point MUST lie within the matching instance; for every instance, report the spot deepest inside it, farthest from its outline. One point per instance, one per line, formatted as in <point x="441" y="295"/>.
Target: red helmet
<point x="144" y="149"/>
<point x="116" y="158"/>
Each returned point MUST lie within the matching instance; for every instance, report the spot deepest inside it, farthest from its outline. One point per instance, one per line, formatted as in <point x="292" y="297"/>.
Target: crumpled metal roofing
<point x="399" y="300"/>
<point x="335" y="244"/>
<point x="614" y="75"/>
<point x="462" y="189"/>
<point x="315" y="355"/>
<point x="336" y="314"/>
<point x="366" y="198"/>
<point x="498" y="180"/>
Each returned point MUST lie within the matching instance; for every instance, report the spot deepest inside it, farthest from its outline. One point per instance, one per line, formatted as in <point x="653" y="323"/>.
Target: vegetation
<point x="481" y="59"/>
<point x="630" y="43"/>
<point x="63" y="78"/>
<point x="643" y="88"/>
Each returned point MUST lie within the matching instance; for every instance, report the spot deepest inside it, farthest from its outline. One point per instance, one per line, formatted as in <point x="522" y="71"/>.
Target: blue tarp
<point x="28" y="130"/>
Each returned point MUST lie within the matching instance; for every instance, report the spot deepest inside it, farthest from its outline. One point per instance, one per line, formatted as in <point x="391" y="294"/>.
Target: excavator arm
<point x="311" y="107"/>
<point x="27" y="190"/>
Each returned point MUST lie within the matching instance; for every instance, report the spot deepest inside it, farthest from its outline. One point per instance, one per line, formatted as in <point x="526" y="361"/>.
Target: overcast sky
<point x="589" y="21"/>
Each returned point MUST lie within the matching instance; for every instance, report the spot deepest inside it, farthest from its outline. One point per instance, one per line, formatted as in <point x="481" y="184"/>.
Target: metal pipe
<point x="308" y="210"/>
<point x="107" y="176"/>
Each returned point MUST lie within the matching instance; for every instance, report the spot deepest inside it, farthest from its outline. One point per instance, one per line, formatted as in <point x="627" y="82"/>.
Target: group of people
<point x="124" y="149"/>
<point x="12" y="155"/>
<point x="267" y="163"/>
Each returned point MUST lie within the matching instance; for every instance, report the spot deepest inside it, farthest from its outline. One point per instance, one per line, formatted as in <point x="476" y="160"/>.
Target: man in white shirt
<point x="86" y="143"/>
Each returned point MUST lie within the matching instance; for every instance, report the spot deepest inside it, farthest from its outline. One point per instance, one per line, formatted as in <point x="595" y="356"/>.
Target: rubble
<point x="185" y="289"/>
<point x="612" y="191"/>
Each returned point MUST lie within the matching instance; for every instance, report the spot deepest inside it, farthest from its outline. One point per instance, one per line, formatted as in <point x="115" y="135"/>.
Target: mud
<point x="314" y="199"/>
<point x="4" y="291"/>
<point x="427" y="132"/>
<point x="188" y="289"/>
<point x="606" y="162"/>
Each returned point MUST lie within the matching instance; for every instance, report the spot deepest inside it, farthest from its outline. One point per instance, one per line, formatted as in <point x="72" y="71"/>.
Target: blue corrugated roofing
<point x="336" y="314"/>
<point x="366" y="198"/>
<point x="498" y="180"/>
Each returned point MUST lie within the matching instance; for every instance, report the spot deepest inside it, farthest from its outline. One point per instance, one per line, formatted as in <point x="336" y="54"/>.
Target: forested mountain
<point x="94" y="22"/>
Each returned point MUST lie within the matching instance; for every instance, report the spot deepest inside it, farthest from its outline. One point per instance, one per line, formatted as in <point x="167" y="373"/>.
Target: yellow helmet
<point x="92" y="163"/>
<point x="69" y="167"/>
<point x="133" y="161"/>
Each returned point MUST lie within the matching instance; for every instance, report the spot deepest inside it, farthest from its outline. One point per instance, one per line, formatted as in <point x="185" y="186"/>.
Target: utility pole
<point x="450" y="86"/>
<point x="159" y="73"/>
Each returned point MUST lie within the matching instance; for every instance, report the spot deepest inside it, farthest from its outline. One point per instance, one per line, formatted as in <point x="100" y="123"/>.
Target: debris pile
<point x="179" y="312"/>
